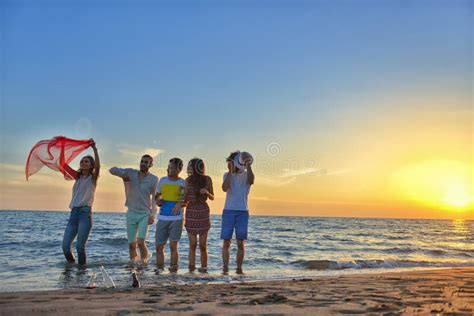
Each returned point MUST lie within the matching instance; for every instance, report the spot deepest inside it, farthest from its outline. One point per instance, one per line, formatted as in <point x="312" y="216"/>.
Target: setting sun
<point x="439" y="184"/>
<point x="457" y="196"/>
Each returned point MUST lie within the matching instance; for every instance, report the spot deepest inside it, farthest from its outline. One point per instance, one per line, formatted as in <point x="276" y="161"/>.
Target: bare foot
<point x="144" y="262"/>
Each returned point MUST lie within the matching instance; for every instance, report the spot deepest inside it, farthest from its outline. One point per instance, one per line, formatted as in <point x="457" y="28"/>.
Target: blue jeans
<point x="79" y="224"/>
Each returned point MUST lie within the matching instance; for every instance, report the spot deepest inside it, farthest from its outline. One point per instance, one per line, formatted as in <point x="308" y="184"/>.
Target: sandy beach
<point x="446" y="291"/>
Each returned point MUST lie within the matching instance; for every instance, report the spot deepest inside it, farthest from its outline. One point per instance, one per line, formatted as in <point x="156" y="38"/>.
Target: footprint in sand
<point x="269" y="299"/>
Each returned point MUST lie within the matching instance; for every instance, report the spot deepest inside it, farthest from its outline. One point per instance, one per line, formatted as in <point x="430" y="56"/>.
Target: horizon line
<point x="274" y="215"/>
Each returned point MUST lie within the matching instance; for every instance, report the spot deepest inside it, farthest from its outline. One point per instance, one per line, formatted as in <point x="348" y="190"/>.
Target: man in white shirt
<point x="235" y="215"/>
<point x="140" y="187"/>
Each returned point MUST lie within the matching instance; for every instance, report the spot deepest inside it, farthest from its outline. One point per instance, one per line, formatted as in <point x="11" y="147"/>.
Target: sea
<point x="278" y="247"/>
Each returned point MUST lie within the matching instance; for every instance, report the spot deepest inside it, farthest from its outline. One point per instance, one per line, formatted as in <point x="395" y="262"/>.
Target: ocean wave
<point x="119" y="241"/>
<point x="282" y="229"/>
<point x="396" y="237"/>
<point x="393" y="250"/>
<point x="104" y="230"/>
<point x="397" y="250"/>
<point x="465" y="254"/>
<point x="362" y="234"/>
<point x="38" y="245"/>
<point x="371" y="264"/>
<point x="436" y="252"/>
<point x="268" y="261"/>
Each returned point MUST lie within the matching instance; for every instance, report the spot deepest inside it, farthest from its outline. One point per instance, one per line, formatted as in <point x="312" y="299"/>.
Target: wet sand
<point x="445" y="292"/>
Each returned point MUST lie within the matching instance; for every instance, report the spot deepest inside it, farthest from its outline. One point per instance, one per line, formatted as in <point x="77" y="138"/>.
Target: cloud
<point x="273" y="182"/>
<point x="137" y="151"/>
<point x="320" y="202"/>
<point x="261" y="198"/>
<point x="288" y="173"/>
<point x="338" y="172"/>
<point x="13" y="175"/>
<point x="12" y="167"/>
<point x="289" y="176"/>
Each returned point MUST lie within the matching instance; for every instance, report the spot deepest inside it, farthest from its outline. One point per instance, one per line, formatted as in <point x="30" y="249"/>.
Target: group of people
<point x="179" y="200"/>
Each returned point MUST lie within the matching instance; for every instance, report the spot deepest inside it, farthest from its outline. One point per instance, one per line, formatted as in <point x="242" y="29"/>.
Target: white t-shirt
<point x="82" y="192"/>
<point x="237" y="195"/>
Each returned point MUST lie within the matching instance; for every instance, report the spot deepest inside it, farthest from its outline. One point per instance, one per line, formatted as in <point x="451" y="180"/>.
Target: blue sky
<point x="204" y="78"/>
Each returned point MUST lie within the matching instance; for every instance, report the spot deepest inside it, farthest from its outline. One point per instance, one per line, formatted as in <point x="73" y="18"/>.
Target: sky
<point x="350" y="108"/>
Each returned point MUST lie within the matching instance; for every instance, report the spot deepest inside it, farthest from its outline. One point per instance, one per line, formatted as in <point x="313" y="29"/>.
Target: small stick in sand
<point x="109" y="283"/>
<point x="91" y="284"/>
<point x="136" y="282"/>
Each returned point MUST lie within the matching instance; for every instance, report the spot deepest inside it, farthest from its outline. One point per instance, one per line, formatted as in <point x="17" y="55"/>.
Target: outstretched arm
<point x="119" y="172"/>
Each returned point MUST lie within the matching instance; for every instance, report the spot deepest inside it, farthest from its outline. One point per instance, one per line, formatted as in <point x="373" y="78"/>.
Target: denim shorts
<point x="234" y="220"/>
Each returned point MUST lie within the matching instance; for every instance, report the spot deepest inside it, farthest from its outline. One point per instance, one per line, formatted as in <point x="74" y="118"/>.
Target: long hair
<point x="198" y="178"/>
<point x="92" y="161"/>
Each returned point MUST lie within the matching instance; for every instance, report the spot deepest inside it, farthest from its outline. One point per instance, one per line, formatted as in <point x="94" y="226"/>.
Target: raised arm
<point x="250" y="174"/>
<point x="73" y="173"/>
<point x="96" y="173"/>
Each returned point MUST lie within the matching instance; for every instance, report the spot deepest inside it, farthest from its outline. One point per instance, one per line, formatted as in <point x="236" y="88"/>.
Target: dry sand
<point x="445" y="292"/>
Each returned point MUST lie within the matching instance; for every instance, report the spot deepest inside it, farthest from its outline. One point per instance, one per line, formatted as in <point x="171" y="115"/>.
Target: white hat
<point x="248" y="157"/>
<point x="237" y="162"/>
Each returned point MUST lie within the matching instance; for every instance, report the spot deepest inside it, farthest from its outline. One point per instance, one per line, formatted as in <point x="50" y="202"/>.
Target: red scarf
<point x="56" y="154"/>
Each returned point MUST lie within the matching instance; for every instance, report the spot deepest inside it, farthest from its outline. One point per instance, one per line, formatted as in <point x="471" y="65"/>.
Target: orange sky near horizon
<point x="392" y="172"/>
